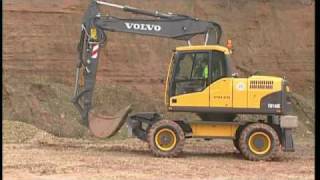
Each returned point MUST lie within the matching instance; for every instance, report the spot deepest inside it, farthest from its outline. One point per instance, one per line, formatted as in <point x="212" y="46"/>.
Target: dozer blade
<point x="107" y="126"/>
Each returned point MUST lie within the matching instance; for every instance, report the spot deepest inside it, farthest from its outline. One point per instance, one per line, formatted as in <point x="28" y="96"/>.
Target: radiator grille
<point x="261" y="84"/>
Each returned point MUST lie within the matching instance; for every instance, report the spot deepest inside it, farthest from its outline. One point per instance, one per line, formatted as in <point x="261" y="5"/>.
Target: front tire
<point x="166" y="139"/>
<point x="259" y="141"/>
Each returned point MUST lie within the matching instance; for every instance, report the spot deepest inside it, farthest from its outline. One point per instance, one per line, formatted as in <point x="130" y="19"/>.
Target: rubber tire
<point x="236" y="144"/>
<point x="258" y="127"/>
<point x="236" y="140"/>
<point x="177" y="150"/>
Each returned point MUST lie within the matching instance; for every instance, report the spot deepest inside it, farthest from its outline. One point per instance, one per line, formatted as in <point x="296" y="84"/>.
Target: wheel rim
<point x="259" y="143"/>
<point x="165" y="139"/>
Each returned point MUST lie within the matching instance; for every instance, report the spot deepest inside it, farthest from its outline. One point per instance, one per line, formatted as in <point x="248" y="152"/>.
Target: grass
<point x="45" y="103"/>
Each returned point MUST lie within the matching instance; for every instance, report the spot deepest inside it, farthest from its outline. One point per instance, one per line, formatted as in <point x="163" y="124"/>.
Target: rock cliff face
<point x="275" y="37"/>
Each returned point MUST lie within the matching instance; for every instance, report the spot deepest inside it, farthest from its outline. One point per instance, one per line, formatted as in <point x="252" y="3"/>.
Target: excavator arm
<point x="93" y="37"/>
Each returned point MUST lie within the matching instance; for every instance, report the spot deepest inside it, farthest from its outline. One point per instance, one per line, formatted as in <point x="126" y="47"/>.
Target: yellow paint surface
<point x="256" y="94"/>
<point x="196" y="99"/>
<point x="240" y="92"/>
<point x="221" y="93"/>
<point x="213" y="130"/>
<point x="208" y="47"/>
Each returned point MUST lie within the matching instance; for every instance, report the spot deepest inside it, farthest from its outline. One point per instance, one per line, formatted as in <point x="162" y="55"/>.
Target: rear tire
<point x="166" y="139"/>
<point x="236" y="144"/>
<point x="259" y="141"/>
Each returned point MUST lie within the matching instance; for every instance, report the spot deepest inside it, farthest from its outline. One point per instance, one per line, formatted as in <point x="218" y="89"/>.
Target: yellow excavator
<point x="199" y="80"/>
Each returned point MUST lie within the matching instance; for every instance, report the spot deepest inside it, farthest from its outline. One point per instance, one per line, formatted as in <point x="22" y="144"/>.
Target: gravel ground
<point x="46" y="157"/>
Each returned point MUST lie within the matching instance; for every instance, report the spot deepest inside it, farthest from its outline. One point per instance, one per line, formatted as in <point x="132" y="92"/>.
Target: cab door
<point x="189" y="87"/>
<point x="221" y="84"/>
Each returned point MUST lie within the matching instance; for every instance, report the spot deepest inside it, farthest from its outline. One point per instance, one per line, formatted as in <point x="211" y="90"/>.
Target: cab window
<point x="218" y="66"/>
<point x="191" y="72"/>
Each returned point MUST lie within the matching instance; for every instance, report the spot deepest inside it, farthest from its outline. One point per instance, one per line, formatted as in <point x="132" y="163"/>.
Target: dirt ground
<point x="70" y="159"/>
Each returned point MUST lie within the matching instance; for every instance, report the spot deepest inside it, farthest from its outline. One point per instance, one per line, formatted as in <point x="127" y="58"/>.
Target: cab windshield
<point x="194" y="71"/>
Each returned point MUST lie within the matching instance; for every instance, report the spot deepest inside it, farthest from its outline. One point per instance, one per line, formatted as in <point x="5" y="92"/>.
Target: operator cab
<point x="194" y="68"/>
<point x="200" y="81"/>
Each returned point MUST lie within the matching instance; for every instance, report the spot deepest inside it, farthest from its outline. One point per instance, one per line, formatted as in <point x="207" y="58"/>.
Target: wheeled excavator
<point x="199" y="80"/>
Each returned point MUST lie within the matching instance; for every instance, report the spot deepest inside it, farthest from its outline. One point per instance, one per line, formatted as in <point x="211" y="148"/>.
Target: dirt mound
<point x="304" y="109"/>
<point x="46" y="104"/>
<point x="41" y="102"/>
<point x="20" y="132"/>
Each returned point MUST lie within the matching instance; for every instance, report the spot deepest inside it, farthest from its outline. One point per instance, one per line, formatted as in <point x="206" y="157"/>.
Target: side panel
<point x="240" y="92"/>
<point x="259" y="87"/>
<point x="221" y="93"/>
<point x="197" y="99"/>
<point x="213" y="130"/>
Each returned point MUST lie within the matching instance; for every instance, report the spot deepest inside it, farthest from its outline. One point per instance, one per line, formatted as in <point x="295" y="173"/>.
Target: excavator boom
<point x="93" y="38"/>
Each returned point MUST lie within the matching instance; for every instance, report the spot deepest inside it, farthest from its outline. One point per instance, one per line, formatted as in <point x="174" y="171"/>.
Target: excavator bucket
<point x="107" y="126"/>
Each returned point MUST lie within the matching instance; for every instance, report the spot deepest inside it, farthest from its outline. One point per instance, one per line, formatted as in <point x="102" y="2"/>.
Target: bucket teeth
<point x="107" y="126"/>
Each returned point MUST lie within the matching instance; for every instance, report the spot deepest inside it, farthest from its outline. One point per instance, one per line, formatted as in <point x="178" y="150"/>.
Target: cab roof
<point x="203" y="47"/>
